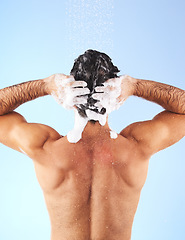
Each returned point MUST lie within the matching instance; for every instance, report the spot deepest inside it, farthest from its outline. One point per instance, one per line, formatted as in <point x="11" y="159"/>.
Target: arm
<point x="14" y="96"/>
<point x="15" y="132"/>
<point x="170" y="98"/>
<point x="167" y="127"/>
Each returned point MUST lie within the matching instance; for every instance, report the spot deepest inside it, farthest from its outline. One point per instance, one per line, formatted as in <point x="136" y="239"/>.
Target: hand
<point x="114" y="92"/>
<point x="128" y="85"/>
<point x="66" y="91"/>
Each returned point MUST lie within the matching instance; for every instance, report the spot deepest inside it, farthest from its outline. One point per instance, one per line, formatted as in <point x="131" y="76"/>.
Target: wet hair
<point x="94" y="68"/>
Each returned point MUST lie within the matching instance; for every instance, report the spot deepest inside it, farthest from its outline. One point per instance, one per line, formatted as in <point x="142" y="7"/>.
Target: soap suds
<point x="76" y="134"/>
<point x="68" y="91"/>
<point x="71" y="93"/>
<point x="107" y="97"/>
<point x="113" y="134"/>
<point x="96" y="117"/>
<point x="108" y="94"/>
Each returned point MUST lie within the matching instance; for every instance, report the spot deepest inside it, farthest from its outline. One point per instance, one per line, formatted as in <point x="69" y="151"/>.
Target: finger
<point x="107" y="89"/>
<point x="98" y="96"/>
<point x="107" y="96"/>
<point x="81" y="91"/>
<point x="79" y="84"/>
<point x="100" y="89"/>
<point x="98" y="105"/>
<point x="80" y="100"/>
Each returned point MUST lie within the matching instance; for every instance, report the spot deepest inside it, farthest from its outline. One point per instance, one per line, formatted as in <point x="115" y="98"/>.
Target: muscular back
<point x="91" y="188"/>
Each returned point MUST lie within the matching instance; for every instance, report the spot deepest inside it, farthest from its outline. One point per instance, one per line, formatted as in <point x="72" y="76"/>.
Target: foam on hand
<point x="68" y="91"/>
<point x="107" y="95"/>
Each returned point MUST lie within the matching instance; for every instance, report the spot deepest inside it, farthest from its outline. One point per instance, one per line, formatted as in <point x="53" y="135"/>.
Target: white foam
<point x="96" y="116"/>
<point x="68" y="91"/>
<point x="76" y="134"/>
<point x="108" y="98"/>
<point x="113" y="134"/>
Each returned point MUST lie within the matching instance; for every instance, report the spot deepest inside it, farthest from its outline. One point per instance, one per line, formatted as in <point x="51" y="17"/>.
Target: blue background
<point x="145" y="39"/>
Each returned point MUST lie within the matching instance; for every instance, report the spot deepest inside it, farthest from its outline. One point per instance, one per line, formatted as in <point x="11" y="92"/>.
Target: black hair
<point x="94" y="68"/>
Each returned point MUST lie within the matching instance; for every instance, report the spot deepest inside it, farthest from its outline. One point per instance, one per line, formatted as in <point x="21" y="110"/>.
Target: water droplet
<point x="84" y="16"/>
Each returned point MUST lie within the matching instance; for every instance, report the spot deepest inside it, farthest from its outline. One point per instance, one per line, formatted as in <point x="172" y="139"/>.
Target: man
<point x="92" y="187"/>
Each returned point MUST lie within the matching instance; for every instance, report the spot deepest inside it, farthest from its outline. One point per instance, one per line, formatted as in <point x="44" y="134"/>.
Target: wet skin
<point x="91" y="188"/>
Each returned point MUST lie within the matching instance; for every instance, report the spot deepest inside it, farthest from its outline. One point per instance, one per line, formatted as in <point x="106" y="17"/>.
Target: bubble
<point x="113" y="134"/>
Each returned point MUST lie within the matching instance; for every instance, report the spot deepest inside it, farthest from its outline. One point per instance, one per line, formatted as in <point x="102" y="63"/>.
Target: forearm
<point x="169" y="97"/>
<point x="13" y="96"/>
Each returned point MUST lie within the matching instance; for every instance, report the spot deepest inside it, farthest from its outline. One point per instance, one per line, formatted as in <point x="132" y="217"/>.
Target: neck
<point x="88" y="128"/>
<point x="95" y="129"/>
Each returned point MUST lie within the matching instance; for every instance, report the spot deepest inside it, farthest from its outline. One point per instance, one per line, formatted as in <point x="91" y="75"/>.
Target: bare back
<point x="92" y="188"/>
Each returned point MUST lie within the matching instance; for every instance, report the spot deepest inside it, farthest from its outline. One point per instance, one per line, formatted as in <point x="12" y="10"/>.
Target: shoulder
<point x="154" y="135"/>
<point x="31" y="137"/>
<point x="17" y="133"/>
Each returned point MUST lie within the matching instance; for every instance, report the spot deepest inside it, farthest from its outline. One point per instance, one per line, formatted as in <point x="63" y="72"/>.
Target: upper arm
<point x="25" y="137"/>
<point x="162" y="131"/>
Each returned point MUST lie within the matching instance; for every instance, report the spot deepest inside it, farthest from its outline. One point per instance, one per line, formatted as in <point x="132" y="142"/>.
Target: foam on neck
<point x="76" y="134"/>
<point x="80" y="123"/>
